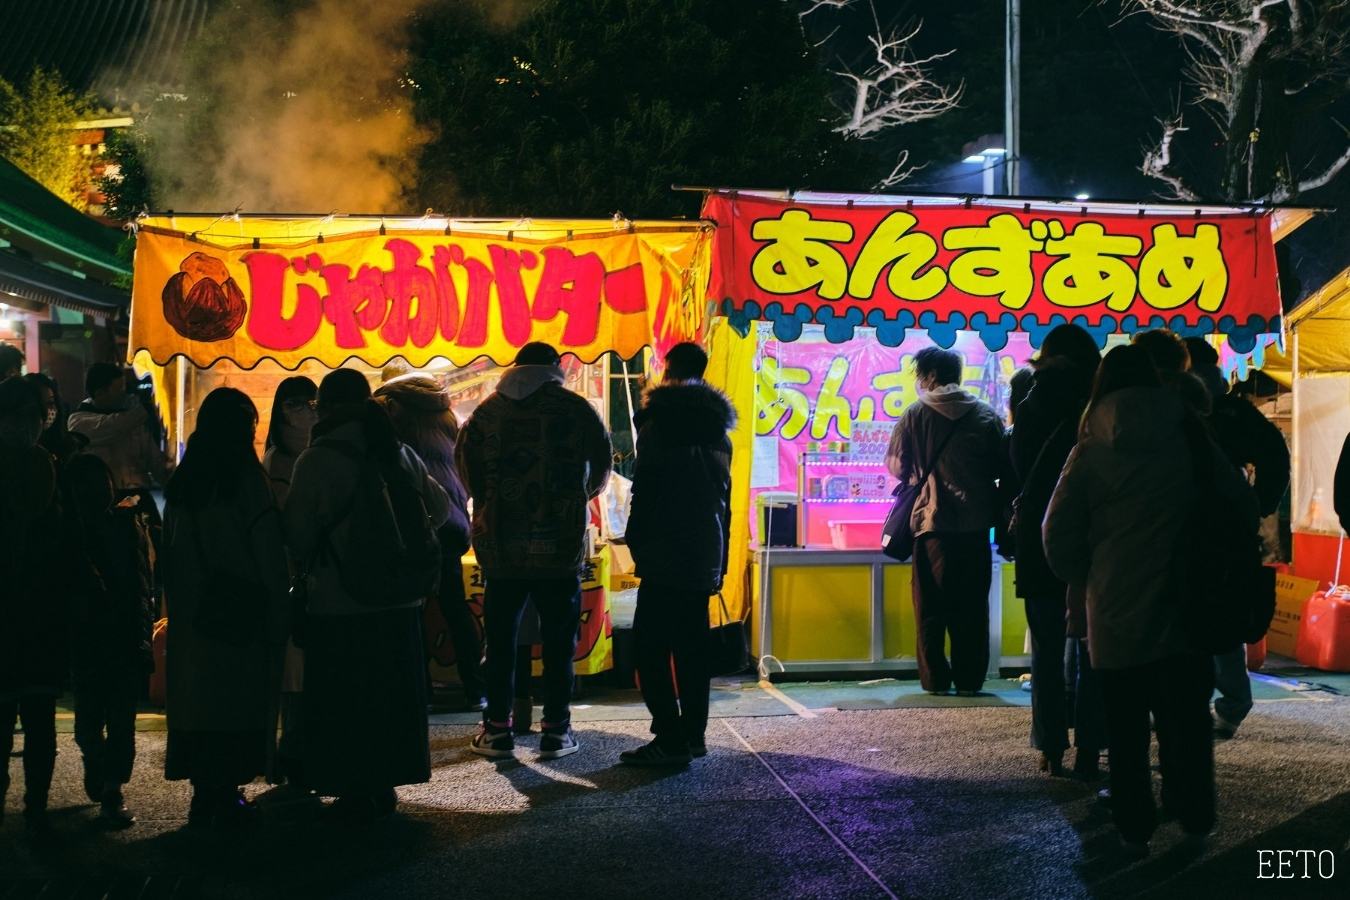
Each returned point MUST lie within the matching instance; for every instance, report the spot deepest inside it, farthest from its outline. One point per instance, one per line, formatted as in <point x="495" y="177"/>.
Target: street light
<point x="989" y="155"/>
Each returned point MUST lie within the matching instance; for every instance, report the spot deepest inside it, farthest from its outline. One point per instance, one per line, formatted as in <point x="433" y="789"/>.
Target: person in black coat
<point x="1044" y="432"/>
<point x="678" y="532"/>
<point x="1248" y="439"/>
<point x="1341" y="487"/>
<point x="114" y="617"/>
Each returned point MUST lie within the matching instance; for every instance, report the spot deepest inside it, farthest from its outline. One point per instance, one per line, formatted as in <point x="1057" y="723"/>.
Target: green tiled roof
<point x="46" y="224"/>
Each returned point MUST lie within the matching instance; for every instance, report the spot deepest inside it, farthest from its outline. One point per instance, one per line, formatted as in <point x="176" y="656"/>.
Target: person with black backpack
<point x="361" y="523"/>
<point x="1123" y="521"/>
<point x="1044" y="431"/>
<point x="678" y="531"/>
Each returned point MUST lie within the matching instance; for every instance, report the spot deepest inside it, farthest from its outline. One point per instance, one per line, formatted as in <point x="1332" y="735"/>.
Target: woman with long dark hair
<point x="420" y="410"/>
<point x="361" y="520"/>
<point x="1045" y="430"/>
<point x="225" y="591"/>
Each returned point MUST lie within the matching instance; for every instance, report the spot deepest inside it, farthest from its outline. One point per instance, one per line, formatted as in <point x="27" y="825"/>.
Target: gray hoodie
<point x="962" y="494"/>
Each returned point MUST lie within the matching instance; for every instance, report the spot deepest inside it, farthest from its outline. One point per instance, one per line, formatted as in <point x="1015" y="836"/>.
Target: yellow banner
<point x="375" y="296"/>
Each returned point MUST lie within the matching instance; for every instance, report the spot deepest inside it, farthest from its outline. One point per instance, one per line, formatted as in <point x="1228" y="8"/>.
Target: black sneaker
<point x="653" y="755"/>
<point x="113" y="812"/>
<point x="494" y="743"/>
<point x="558" y="742"/>
<point x="698" y="749"/>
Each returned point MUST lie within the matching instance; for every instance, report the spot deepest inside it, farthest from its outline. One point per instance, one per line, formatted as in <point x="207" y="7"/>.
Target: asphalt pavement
<point x="798" y="797"/>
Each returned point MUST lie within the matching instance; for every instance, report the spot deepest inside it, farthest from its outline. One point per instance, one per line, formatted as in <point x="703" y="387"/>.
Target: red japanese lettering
<point x="355" y="304"/>
<point x="407" y="281"/>
<point x="268" y="326"/>
<point x="515" y="306"/>
<point x="571" y="284"/>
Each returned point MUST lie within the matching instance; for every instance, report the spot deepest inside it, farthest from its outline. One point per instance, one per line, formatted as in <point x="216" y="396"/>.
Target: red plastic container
<point x="1256" y="655"/>
<point x="1324" y="632"/>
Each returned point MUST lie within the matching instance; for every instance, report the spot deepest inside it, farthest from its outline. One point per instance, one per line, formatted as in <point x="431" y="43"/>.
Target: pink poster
<point x="824" y="414"/>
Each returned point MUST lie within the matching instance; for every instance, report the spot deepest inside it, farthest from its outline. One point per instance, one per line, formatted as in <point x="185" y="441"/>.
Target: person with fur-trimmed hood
<point x="678" y="533"/>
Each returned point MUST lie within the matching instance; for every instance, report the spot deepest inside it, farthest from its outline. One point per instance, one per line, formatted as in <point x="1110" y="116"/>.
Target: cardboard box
<point x="1291" y="595"/>
<point x="621" y="568"/>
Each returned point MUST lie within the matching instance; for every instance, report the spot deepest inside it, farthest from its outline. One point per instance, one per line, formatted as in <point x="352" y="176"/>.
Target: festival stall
<point x="822" y="300"/>
<point x="1315" y="364"/>
<point x="245" y="301"/>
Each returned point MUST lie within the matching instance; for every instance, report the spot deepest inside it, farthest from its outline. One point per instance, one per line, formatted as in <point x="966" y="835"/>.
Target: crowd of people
<point x="294" y="584"/>
<point x="1093" y="493"/>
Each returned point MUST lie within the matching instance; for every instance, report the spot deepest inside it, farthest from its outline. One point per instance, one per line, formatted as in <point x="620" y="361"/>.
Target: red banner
<point x="993" y="270"/>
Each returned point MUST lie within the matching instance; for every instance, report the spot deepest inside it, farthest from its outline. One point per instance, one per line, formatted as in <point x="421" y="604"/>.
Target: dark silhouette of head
<point x="11" y="361"/>
<point x="537" y="353"/>
<point x="341" y="390"/>
<point x="89" y="484"/>
<point x="686" y="362"/>
<point x="220" y="452"/>
<point x="1165" y="349"/>
<point x="1019" y="386"/>
<point x="1072" y="343"/>
<point x="21" y="413"/>
<point x="105" y="383"/>
<point x="934" y="366"/>
<point x="1127" y="366"/>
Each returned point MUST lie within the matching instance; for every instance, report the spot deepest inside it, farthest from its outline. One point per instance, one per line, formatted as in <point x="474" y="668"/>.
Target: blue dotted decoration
<point x="1100" y="331"/>
<point x="1036" y="330"/>
<point x="787" y="326"/>
<point x="942" y="333"/>
<point x="741" y="319"/>
<point x="891" y="332"/>
<point x="993" y="334"/>
<point x="839" y="329"/>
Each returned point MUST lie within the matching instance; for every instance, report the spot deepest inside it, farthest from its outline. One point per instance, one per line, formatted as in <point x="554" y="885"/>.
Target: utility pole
<point x="1012" y="104"/>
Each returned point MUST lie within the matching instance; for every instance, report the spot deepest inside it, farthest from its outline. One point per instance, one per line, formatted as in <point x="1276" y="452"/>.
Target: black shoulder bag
<point x="897" y="534"/>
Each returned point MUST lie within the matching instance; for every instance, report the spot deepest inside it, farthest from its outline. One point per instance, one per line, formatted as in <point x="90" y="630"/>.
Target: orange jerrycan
<point x="1324" y="631"/>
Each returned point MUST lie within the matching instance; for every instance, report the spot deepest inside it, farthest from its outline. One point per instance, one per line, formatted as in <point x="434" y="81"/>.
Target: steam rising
<point x="293" y="108"/>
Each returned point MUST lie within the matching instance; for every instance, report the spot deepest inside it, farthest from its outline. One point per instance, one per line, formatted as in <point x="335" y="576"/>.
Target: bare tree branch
<point x="824" y="4"/>
<point x="903" y="171"/>
<point x="896" y="89"/>
<point x="1158" y="161"/>
<point x="1282" y="194"/>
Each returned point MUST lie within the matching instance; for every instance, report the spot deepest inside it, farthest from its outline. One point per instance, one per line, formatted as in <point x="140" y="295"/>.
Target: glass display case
<point x="844" y="490"/>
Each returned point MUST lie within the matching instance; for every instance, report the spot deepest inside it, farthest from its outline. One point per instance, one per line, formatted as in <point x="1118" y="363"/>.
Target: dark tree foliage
<point x="128" y="191"/>
<point x="591" y="107"/>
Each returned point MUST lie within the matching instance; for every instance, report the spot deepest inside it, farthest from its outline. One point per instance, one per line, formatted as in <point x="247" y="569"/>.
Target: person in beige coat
<point x="225" y="590"/>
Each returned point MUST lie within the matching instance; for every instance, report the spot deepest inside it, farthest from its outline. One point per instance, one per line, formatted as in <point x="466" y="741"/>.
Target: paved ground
<point x="816" y="791"/>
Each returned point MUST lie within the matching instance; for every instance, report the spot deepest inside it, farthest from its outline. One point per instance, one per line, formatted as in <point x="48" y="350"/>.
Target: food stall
<point x="826" y="297"/>
<point x="246" y="300"/>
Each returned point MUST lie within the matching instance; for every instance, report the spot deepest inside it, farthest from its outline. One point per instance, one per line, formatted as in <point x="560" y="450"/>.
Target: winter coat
<point x="962" y="495"/>
<point x="121" y="438"/>
<point x="422" y="416"/>
<point x="1115" y="520"/>
<point x="34" y="614"/>
<point x="533" y="455"/>
<point x="318" y="526"/>
<point x="1045" y="431"/>
<point x="114" y="607"/>
<point x="1248" y="439"/>
<point x="679" y="525"/>
<point x="214" y="685"/>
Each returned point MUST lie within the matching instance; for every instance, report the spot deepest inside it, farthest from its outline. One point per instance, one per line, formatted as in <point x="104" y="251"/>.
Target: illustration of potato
<point x="202" y="302"/>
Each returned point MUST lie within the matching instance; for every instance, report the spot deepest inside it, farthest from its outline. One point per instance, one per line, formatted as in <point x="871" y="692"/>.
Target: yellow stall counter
<point x="852" y="611"/>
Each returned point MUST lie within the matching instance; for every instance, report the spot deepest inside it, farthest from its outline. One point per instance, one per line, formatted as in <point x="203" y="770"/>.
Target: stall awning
<point x="1322" y="323"/>
<point x="26" y="280"/>
<point x="371" y="288"/>
<point x="994" y="266"/>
